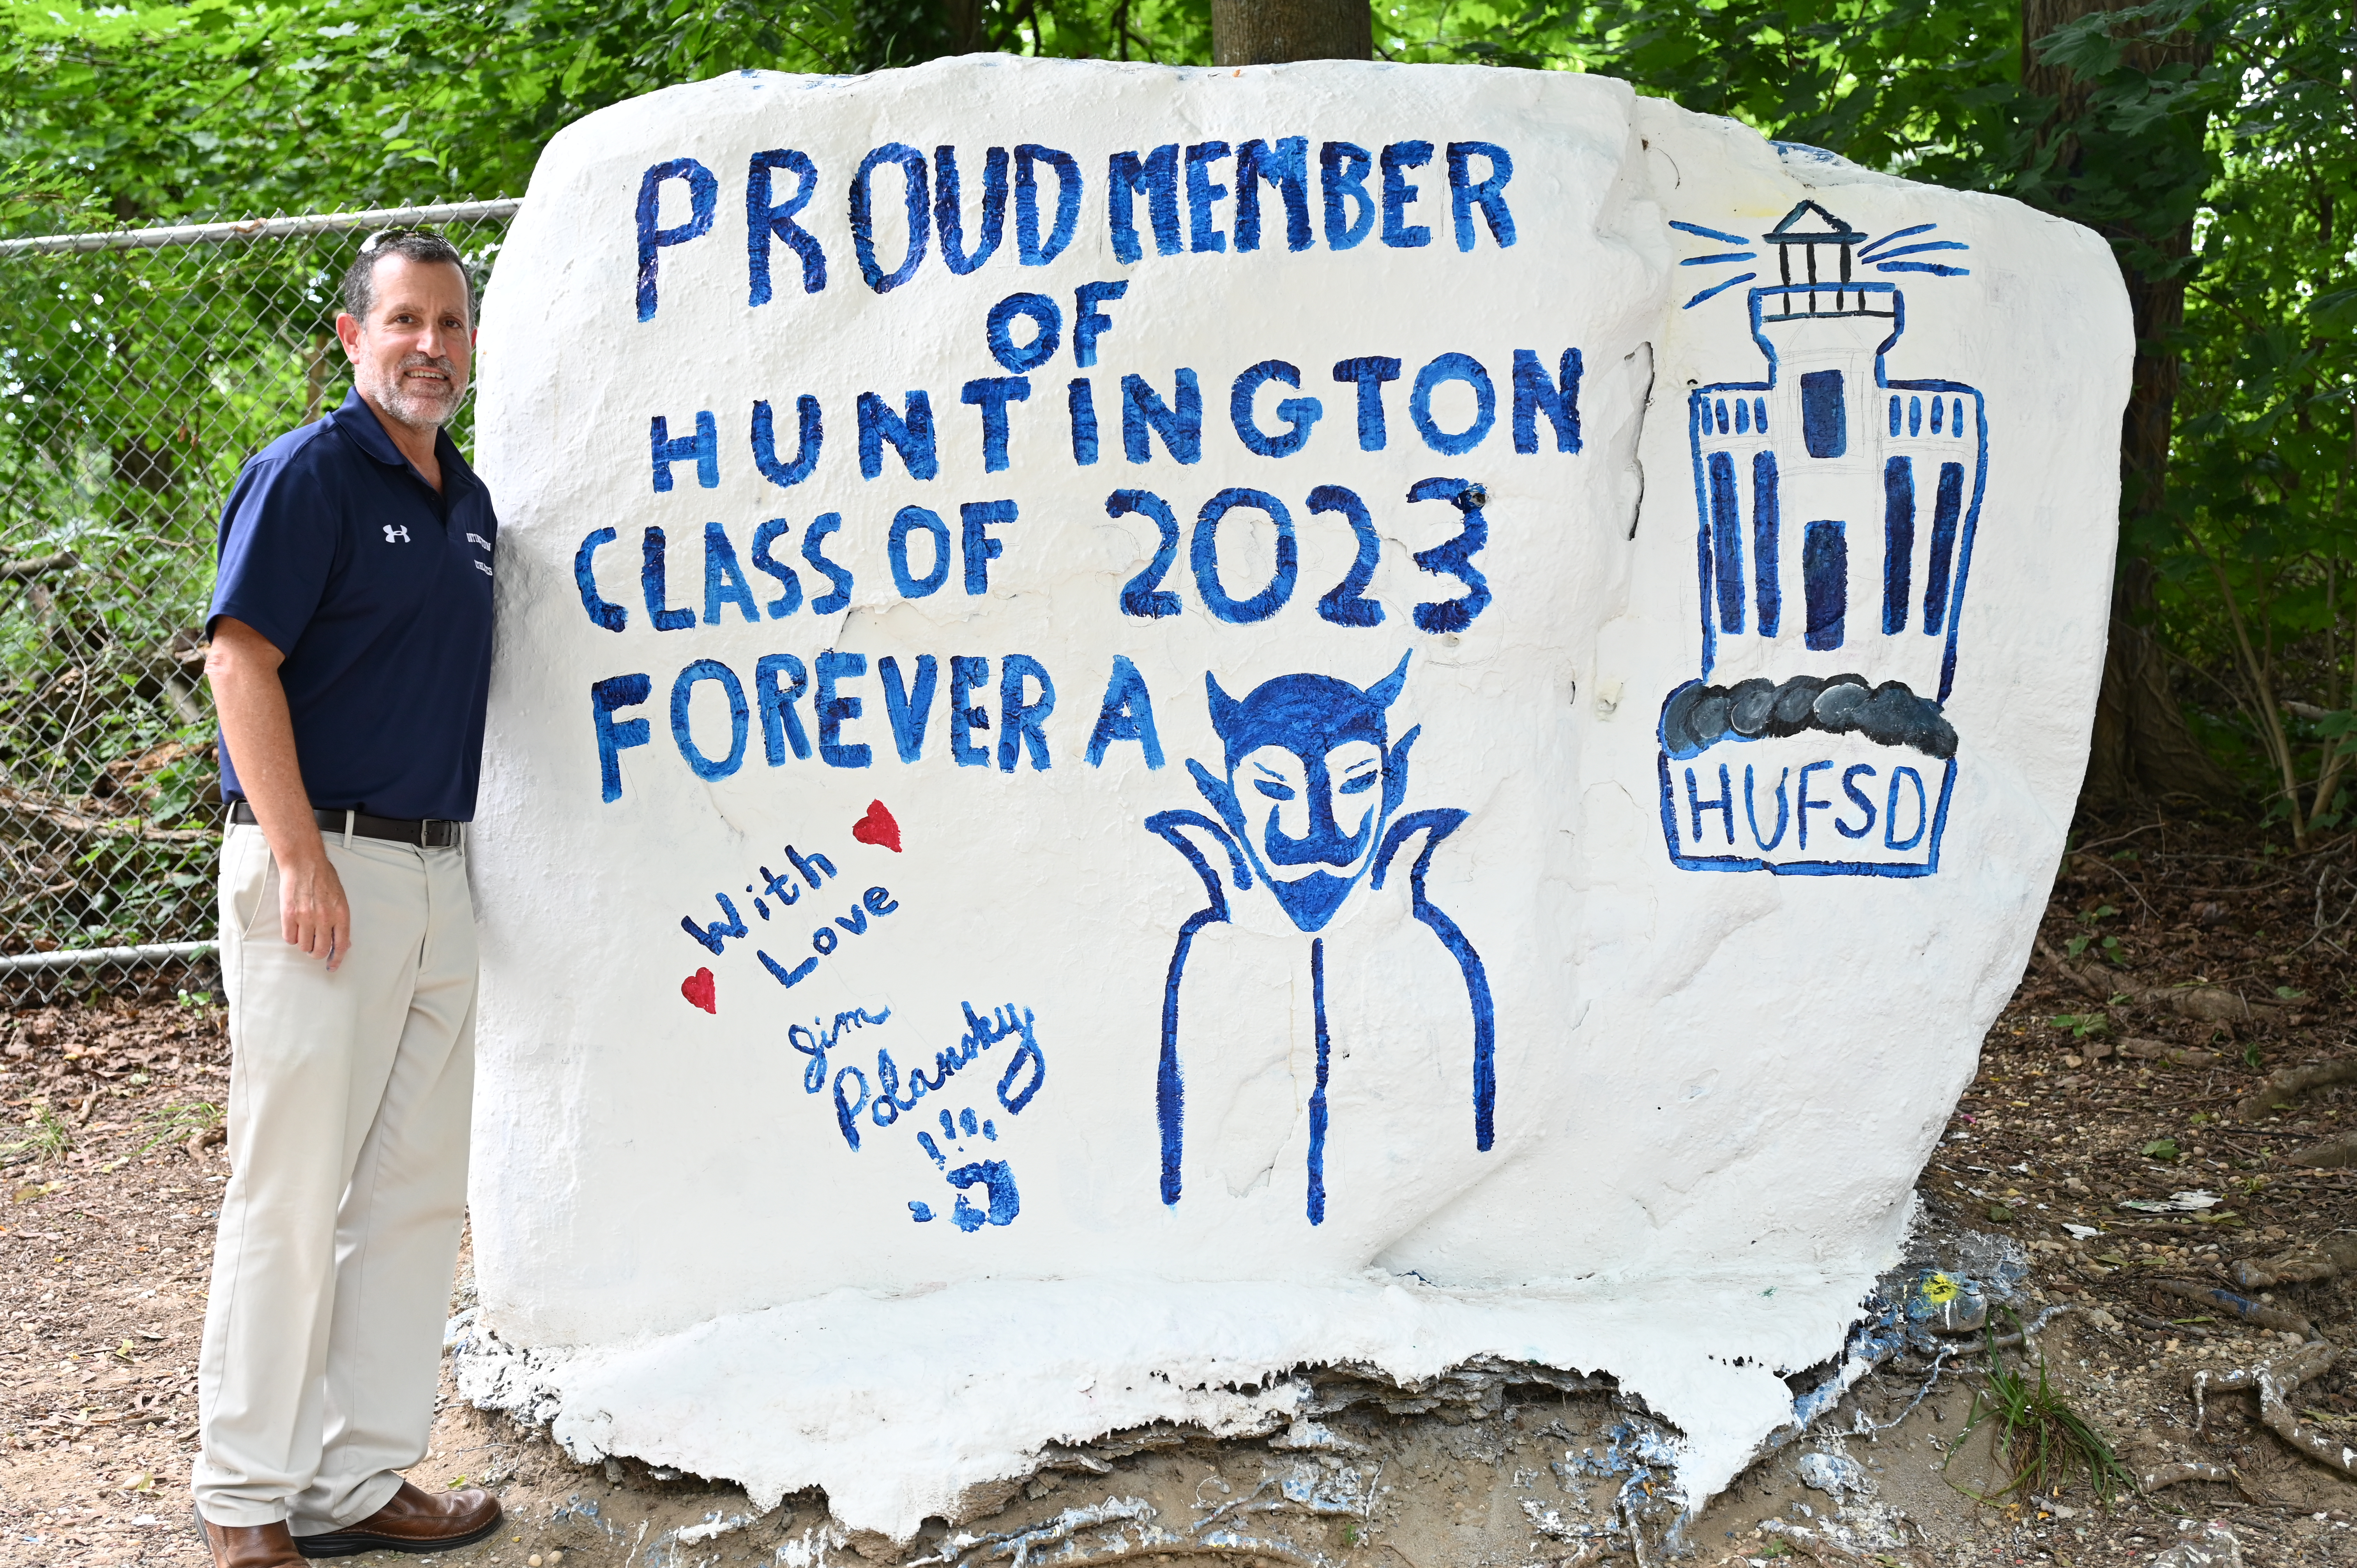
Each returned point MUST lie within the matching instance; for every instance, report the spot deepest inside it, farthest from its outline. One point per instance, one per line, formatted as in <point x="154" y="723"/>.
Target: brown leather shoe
<point x="415" y="1520"/>
<point x="250" y="1546"/>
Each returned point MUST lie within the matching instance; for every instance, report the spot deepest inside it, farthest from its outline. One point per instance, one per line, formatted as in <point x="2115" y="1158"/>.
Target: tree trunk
<point x="962" y="29"/>
<point x="2142" y="747"/>
<point x="1271" y="32"/>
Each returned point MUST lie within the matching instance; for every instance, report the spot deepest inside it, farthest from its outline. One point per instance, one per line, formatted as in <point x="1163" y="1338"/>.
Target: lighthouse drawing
<point x="1836" y="509"/>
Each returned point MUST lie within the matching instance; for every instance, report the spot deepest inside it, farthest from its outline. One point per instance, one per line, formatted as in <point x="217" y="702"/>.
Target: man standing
<point x="350" y="657"/>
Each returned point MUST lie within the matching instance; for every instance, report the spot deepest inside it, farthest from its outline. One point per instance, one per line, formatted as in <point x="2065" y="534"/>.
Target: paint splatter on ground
<point x="2188" y="967"/>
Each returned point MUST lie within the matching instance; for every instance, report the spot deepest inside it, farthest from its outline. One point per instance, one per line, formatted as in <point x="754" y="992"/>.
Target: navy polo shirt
<point x="379" y="593"/>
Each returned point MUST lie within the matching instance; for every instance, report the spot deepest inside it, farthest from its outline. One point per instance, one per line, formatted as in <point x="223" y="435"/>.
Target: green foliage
<point x="124" y="114"/>
<point x="2259" y="539"/>
<point x="47" y="1137"/>
<point x="1911" y="85"/>
<point x="2045" y="1443"/>
<point x="2109" y="947"/>
<point x="178" y="1123"/>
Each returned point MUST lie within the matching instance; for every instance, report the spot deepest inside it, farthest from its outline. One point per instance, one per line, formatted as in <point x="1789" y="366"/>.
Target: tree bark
<point x="1271" y="32"/>
<point x="962" y="29"/>
<point x="2142" y="748"/>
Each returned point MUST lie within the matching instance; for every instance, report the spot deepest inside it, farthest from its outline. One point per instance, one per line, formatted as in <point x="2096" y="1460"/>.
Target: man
<point x="350" y="657"/>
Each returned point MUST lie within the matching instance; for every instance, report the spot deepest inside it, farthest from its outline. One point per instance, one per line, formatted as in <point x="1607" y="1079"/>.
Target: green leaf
<point x="2334" y="312"/>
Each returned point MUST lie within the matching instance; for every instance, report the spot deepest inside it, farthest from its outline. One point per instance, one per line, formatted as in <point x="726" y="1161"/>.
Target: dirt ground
<point x="2179" y="967"/>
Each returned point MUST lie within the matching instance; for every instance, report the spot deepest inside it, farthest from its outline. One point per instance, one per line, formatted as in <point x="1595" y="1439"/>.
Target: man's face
<point x="1312" y="813"/>
<point x="411" y="357"/>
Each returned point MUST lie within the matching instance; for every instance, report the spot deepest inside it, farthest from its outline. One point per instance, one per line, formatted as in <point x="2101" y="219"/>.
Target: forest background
<point x="2212" y="142"/>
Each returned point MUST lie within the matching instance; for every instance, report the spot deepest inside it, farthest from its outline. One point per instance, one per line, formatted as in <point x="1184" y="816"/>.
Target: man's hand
<point x="242" y="665"/>
<point x="312" y="912"/>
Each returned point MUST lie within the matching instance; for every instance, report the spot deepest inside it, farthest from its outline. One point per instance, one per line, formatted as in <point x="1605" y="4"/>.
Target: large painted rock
<point x="1156" y="725"/>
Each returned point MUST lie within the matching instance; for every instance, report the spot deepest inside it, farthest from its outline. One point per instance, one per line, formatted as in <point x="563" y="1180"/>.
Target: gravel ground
<point x="2178" y="969"/>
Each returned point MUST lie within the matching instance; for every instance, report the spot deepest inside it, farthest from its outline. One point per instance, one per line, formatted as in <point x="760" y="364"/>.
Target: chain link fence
<point x="139" y="369"/>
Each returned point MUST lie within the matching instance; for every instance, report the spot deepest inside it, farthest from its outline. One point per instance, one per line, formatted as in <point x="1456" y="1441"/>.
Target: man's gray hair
<point x="360" y="278"/>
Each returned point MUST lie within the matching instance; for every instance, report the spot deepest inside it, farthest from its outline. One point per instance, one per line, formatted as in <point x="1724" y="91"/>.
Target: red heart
<point x="877" y="827"/>
<point x="697" y="988"/>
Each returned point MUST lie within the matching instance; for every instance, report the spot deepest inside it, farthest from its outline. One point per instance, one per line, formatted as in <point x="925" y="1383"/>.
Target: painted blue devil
<point x="1307" y="805"/>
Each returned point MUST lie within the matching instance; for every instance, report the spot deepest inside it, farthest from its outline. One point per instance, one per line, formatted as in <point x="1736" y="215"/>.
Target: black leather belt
<point x="426" y="835"/>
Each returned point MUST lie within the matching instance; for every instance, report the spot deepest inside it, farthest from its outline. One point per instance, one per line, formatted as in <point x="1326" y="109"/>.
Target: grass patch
<point x="2045" y="1444"/>
<point x="178" y="1123"/>
<point x="47" y="1138"/>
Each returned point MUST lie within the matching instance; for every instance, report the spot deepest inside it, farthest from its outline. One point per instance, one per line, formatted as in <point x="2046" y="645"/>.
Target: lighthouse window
<point x="1897" y="540"/>
<point x="1766" y="525"/>
<point x="1824" y="424"/>
<point x="1824" y="583"/>
<point x="1947" y="507"/>
<point x="1727" y="542"/>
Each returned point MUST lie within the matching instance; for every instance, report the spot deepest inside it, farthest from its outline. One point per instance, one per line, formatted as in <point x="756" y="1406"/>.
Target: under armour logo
<point x="395" y="535"/>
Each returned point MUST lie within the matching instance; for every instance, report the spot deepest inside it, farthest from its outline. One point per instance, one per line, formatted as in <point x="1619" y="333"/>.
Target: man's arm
<point x="243" y="668"/>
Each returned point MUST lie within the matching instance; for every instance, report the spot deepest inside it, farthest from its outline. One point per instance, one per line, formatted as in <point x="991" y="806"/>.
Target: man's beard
<point x="418" y="409"/>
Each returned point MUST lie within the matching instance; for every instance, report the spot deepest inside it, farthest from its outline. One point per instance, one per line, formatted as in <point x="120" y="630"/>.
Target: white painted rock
<point x="1317" y="713"/>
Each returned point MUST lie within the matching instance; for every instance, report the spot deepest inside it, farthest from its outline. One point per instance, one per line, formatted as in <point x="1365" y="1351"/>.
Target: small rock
<point x="1311" y="1434"/>
<point x="1834" y="1474"/>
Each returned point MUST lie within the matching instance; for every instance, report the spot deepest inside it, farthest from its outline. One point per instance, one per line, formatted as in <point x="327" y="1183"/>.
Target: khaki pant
<point x="349" y="1100"/>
